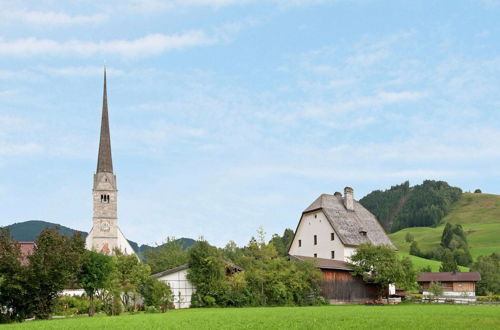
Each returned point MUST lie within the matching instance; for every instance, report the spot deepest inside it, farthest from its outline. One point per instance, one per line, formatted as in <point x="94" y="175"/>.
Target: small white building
<point x="182" y="288"/>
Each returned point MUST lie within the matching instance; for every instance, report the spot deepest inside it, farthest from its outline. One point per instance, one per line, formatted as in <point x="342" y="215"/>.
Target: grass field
<point x="406" y="316"/>
<point x="479" y="214"/>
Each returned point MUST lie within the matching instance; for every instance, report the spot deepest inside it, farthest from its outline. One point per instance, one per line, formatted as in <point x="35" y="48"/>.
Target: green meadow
<point x="405" y="316"/>
<point x="479" y="215"/>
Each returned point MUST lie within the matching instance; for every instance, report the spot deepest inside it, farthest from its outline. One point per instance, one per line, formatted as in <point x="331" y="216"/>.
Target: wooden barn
<point x="456" y="285"/>
<point x="339" y="285"/>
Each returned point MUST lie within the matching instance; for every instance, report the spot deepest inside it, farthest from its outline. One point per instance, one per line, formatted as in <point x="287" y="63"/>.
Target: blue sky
<point x="227" y="115"/>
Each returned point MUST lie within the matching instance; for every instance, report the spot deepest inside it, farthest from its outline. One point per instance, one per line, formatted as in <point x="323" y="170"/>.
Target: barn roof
<point x="229" y="266"/>
<point x="350" y="226"/>
<point x="170" y="271"/>
<point x="322" y="263"/>
<point x="449" y="277"/>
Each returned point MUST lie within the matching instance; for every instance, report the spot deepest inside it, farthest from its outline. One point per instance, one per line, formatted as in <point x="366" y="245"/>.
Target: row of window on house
<point x="332" y="238"/>
<point x="315" y="239"/>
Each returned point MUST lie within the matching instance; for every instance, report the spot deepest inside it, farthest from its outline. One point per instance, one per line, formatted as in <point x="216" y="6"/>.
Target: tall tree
<point x="381" y="265"/>
<point x="13" y="302"/>
<point x="96" y="271"/>
<point x="53" y="267"/>
<point x="448" y="263"/>
<point x="489" y="268"/>
<point x="166" y="256"/>
<point x="131" y="275"/>
<point x="206" y="272"/>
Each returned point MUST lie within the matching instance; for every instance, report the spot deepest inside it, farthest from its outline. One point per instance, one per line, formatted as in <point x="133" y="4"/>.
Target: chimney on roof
<point x="349" y="198"/>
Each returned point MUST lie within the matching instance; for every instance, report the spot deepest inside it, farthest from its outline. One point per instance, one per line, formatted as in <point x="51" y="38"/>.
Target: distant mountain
<point x="28" y="231"/>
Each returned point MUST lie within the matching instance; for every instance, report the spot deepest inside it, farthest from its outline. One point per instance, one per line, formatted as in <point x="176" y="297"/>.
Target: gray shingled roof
<point x="349" y="224"/>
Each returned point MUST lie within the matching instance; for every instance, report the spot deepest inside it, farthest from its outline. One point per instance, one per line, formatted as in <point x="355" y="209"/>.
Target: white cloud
<point x="150" y="45"/>
<point x="50" y="18"/>
<point x="79" y="71"/>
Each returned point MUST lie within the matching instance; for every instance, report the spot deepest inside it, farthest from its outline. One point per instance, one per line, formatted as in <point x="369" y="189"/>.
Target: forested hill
<point x="28" y="231"/>
<point x="403" y="206"/>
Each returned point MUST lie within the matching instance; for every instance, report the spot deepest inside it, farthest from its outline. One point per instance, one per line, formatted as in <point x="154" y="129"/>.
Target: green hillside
<point x="479" y="215"/>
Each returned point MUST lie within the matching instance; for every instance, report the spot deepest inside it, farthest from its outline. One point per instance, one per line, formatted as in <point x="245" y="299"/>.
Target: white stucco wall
<point x="181" y="287"/>
<point x="317" y="224"/>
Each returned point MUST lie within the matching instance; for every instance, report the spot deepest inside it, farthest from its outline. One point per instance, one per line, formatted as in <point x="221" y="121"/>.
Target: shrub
<point x="151" y="310"/>
<point x="209" y="301"/>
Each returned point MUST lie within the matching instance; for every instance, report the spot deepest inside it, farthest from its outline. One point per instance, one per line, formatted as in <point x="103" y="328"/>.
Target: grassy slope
<point x="324" y="317"/>
<point x="479" y="214"/>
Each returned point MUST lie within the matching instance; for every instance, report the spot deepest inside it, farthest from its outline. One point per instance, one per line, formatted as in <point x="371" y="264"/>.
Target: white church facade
<point x="105" y="235"/>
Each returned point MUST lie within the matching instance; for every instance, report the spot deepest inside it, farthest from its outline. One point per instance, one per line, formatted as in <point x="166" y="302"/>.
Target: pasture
<point x="405" y="316"/>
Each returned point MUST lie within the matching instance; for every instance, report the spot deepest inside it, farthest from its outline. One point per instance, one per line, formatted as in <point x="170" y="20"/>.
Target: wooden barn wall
<point x="341" y="286"/>
<point x="452" y="286"/>
<point x="463" y="287"/>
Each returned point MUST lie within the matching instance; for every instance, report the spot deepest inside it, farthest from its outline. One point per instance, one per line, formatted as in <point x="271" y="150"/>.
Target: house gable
<point x="313" y="224"/>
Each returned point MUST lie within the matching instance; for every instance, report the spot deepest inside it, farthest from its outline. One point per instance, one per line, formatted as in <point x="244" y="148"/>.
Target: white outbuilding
<point x="182" y="288"/>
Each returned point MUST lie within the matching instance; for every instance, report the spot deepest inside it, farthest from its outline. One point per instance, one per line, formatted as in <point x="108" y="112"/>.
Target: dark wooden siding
<point x="452" y="286"/>
<point x="342" y="286"/>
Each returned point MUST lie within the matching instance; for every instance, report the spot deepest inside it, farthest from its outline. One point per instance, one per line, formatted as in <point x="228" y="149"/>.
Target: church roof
<point x="104" y="161"/>
<point x="353" y="227"/>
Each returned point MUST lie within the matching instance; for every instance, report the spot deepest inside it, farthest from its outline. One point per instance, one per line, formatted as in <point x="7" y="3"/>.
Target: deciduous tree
<point x="381" y="265"/>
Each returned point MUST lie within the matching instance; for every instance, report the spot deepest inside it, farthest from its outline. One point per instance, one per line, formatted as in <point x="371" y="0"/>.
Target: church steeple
<point x="104" y="161"/>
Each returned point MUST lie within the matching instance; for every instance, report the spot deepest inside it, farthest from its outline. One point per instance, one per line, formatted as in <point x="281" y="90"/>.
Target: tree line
<point x="112" y="284"/>
<point x="403" y="206"/>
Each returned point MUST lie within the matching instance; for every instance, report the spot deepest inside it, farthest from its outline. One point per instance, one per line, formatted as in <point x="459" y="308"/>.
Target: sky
<point x="228" y="115"/>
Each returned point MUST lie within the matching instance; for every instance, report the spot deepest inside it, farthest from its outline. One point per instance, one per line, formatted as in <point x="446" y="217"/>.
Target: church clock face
<point x="104" y="226"/>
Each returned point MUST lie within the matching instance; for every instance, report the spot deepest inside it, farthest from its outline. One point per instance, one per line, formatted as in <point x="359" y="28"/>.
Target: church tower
<point x="105" y="235"/>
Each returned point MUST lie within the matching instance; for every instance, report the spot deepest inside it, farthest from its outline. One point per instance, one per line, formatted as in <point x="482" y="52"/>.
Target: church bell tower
<point x="105" y="235"/>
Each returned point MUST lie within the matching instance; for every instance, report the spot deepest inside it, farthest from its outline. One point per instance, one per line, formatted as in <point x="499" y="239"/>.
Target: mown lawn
<point x="406" y="316"/>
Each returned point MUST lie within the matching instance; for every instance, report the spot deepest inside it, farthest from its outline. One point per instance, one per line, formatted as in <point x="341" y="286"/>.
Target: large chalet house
<point x="328" y="232"/>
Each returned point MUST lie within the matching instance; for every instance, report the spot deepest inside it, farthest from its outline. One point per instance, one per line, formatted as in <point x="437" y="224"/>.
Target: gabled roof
<point x="229" y="266"/>
<point x="171" y="271"/>
<point x="449" y="277"/>
<point x="350" y="225"/>
<point x="322" y="263"/>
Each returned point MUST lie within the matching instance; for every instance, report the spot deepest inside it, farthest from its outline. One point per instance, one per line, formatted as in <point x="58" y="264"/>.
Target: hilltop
<point x="27" y="231"/>
<point x="479" y="215"/>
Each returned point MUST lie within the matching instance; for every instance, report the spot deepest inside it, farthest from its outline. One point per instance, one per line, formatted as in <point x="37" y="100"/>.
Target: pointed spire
<point x="104" y="161"/>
